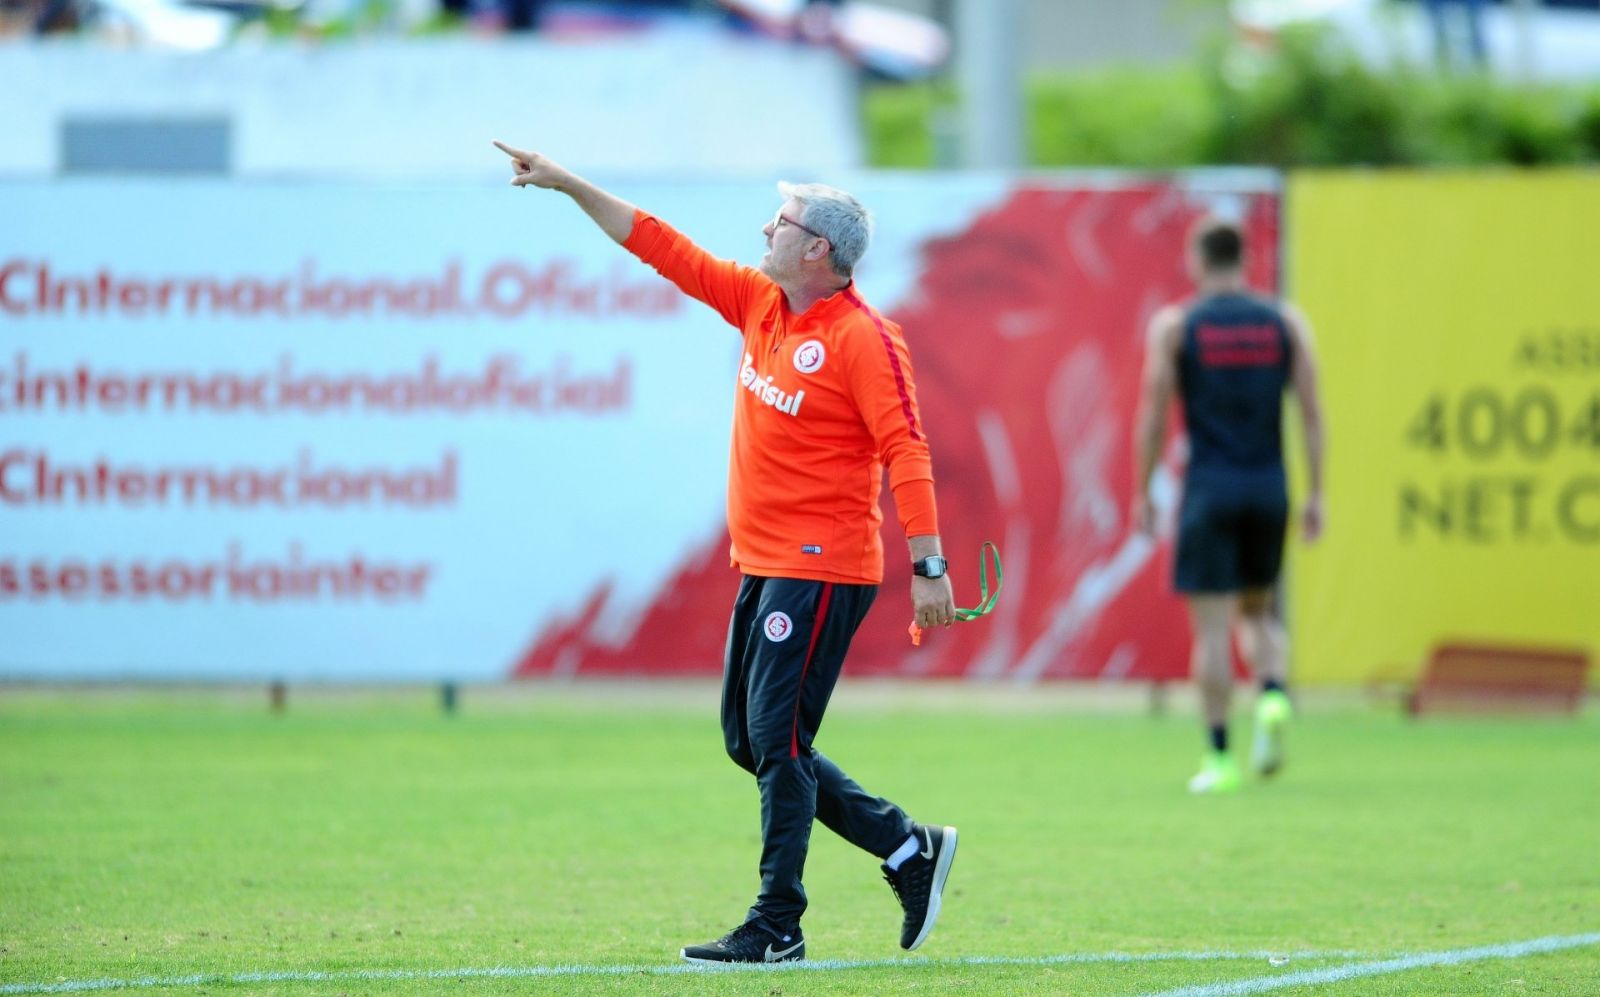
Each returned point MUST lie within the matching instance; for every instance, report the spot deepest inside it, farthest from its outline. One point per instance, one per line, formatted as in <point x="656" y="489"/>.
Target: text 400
<point x="1483" y="422"/>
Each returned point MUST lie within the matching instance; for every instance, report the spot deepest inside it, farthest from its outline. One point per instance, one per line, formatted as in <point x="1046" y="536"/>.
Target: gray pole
<point x="989" y="79"/>
<point x="1522" y="14"/>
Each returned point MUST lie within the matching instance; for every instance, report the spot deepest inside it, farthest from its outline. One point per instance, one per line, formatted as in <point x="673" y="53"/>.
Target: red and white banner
<point x="1026" y="325"/>
<point x="335" y="432"/>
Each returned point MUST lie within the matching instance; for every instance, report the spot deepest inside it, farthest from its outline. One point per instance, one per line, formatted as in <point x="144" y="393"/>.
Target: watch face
<point x="932" y="566"/>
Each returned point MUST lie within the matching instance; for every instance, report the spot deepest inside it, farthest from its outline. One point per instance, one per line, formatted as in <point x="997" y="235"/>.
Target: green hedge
<point x="1308" y="103"/>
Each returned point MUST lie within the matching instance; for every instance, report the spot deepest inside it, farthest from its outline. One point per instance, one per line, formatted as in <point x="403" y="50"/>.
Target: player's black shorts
<point x="1230" y="533"/>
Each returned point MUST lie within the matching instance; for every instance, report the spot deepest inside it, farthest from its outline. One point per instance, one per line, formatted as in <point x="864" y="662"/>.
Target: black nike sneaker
<point x="919" y="881"/>
<point x="749" y="942"/>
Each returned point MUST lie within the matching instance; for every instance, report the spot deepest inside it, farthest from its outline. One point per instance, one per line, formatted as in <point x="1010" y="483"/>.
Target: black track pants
<point x="786" y="646"/>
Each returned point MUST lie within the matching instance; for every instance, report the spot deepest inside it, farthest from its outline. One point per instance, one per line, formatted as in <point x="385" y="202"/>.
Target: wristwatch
<point x="932" y="566"/>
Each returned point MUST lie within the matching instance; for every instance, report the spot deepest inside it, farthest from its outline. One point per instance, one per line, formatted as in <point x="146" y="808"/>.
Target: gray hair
<point x="839" y="217"/>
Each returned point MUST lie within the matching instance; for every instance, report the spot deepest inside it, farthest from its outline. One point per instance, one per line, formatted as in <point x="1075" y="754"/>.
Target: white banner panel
<point x="323" y="431"/>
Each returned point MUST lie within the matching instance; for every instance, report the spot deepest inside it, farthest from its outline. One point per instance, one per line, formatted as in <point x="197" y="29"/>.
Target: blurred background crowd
<point x="1145" y="84"/>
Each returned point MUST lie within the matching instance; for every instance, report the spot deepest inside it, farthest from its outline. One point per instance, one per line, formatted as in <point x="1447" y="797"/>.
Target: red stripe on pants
<point x="816" y="630"/>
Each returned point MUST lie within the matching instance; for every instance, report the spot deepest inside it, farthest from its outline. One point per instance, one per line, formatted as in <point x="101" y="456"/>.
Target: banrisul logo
<point x="766" y="392"/>
<point x="808" y="356"/>
<point x="778" y="627"/>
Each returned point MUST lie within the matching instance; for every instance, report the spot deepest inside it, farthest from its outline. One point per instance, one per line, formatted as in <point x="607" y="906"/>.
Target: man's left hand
<point x="933" y="601"/>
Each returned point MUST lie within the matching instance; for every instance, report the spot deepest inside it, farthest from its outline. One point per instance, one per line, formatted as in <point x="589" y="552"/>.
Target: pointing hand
<point x="532" y="169"/>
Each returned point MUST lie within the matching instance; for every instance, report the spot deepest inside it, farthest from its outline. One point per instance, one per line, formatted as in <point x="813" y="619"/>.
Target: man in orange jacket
<point x="824" y="399"/>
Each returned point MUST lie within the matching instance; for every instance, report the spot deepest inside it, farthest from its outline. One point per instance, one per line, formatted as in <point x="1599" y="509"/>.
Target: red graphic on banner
<point x="1026" y="333"/>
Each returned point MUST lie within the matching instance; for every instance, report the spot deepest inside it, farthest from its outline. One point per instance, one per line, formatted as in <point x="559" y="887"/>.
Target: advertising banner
<point x="1458" y="318"/>
<point x="319" y="431"/>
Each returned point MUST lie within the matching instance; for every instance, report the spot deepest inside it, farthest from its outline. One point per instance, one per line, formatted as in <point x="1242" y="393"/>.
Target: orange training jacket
<point x="822" y="402"/>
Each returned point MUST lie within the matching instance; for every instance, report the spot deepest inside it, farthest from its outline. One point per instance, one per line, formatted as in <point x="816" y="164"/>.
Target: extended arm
<point x="611" y="213"/>
<point x="1303" y="375"/>
<point x="1158" y="384"/>
<point x="724" y="285"/>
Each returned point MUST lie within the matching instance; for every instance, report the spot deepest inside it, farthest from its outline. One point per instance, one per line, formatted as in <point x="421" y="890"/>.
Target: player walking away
<point x="1230" y="355"/>
<point x="823" y="394"/>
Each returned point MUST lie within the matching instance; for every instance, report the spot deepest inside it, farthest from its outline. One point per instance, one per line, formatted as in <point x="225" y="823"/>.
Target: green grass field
<point x="193" y="842"/>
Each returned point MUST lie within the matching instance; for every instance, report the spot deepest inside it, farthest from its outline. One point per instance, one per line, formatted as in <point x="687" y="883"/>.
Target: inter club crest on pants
<point x="778" y="627"/>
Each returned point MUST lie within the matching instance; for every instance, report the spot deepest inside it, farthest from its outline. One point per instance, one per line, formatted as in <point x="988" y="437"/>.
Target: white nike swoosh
<point x="775" y="956"/>
<point x="927" y="852"/>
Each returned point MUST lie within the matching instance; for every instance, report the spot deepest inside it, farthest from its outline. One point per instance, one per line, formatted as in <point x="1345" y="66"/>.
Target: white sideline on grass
<point x="659" y="969"/>
<point x="1510" y="950"/>
<point x="1399" y="964"/>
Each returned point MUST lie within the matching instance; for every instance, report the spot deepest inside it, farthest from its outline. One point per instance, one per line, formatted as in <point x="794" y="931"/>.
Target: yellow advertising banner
<point x="1457" y="319"/>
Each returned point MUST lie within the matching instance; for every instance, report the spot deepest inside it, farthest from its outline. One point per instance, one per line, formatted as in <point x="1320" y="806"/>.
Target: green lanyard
<point x="986" y="599"/>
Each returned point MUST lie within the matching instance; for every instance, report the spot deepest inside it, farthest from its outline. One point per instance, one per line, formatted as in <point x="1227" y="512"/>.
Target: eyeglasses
<point x="780" y="219"/>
